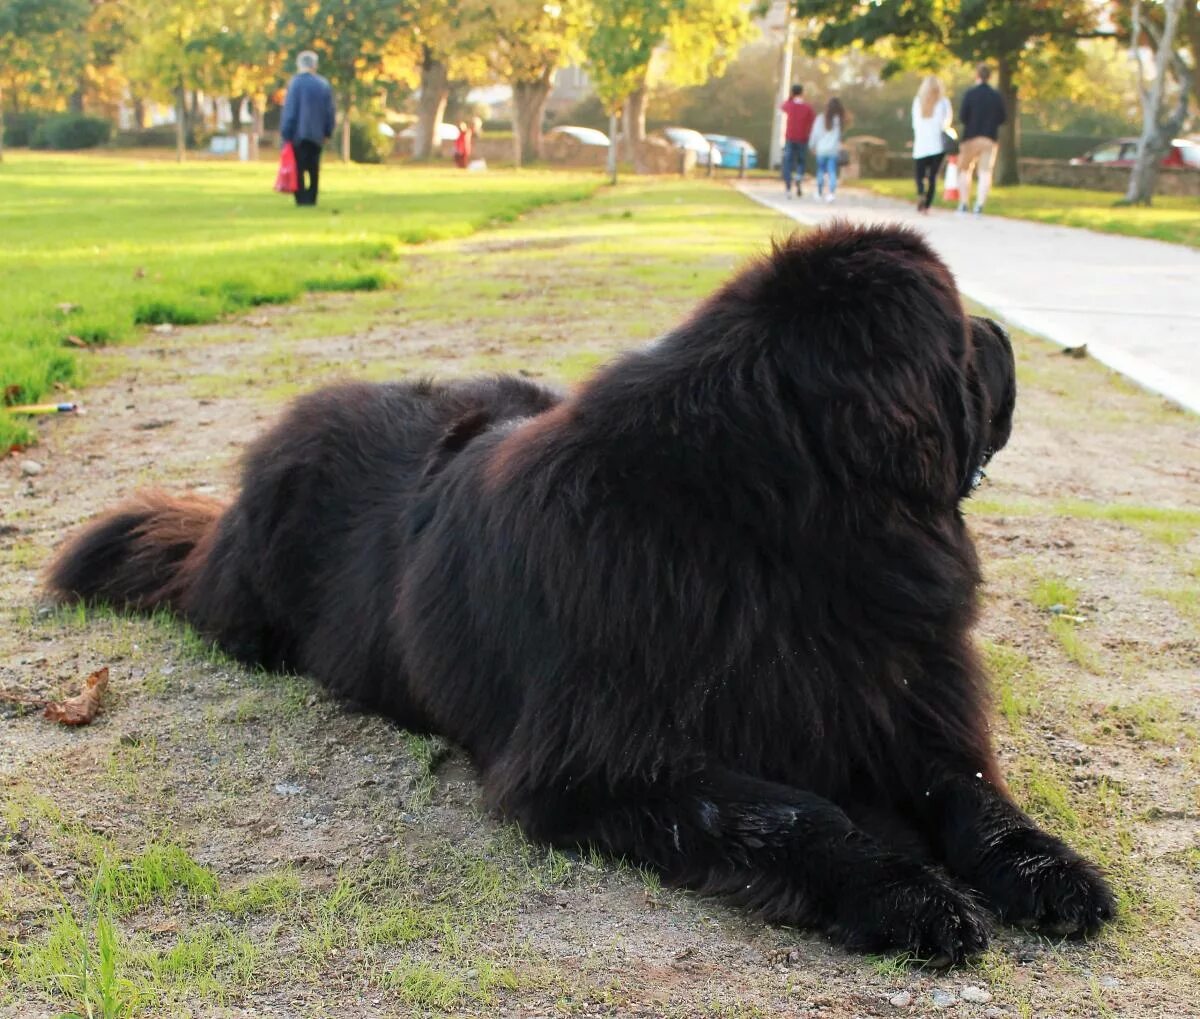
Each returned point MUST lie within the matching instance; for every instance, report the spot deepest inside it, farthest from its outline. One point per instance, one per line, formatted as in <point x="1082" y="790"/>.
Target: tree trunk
<point x="435" y="91"/>
<point x="612" y="147"/>
<point x="1" y="122"/>
<point x="180" y="123"/>
<point x="1008" y="169"/>
<point x="257" y="106"/>
<point x="346" y="132"/>
<point x="635" y="126"/>
<point x="529" y="107"/>
<point x="1157" y="132"/>
<point x="75" y="103"/>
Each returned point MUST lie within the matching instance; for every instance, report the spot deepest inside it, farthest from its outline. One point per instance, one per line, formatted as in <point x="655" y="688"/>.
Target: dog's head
<point x="992" y="383"/>
<point x="860" y="342"/>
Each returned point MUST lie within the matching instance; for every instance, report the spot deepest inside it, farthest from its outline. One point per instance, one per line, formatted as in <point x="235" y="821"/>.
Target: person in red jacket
<point x="462" y="146"/>
<point x="800" y="117"/>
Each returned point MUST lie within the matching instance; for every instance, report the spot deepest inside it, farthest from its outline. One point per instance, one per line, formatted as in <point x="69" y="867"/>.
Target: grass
<point x="95" y="247"/>
<point x="1172" y="219"/>
<point x="419" y="899"/>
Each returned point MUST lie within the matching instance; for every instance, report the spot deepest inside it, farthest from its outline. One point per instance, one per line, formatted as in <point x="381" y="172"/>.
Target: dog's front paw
<point x="918" y="913"/>
<point x="1037" y="881"/>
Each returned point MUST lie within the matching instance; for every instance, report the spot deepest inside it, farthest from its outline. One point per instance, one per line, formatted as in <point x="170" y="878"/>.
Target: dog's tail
<point x="140" y="556"/>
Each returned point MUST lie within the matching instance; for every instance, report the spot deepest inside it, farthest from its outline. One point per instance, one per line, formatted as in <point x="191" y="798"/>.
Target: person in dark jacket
<point x="981" y="114"/>
<point x="308" y="119"/>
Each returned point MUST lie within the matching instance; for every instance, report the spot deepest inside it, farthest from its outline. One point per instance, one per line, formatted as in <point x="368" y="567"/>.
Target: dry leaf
<point x="75" y="341"/>
<point x="80" y="710"/>
<point x="139" y="273"/>
<point x="12" y="394"/>
<point x="67" y="307"/>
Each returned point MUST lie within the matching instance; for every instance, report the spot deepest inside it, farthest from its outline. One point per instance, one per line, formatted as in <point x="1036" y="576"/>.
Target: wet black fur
<point x="711" y="611"/>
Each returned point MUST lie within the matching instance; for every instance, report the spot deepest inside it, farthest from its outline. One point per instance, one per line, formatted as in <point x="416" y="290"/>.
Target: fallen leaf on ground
<point x="75" y="341"/>
<point x="12" y="394"/>
<point x="67" y="307"/>
<point x="81" y="709"/>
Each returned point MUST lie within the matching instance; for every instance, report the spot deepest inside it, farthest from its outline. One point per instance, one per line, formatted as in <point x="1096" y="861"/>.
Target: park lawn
<point x="231" y="839"/>
<point x="1176" y="220"/>
<point x="94" y="247"/>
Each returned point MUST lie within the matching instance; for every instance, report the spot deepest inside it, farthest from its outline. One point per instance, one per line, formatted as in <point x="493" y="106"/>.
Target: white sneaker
<point x="962" y="207"/>
<point x="978" y="210"/>
<point x="829" y="198"/>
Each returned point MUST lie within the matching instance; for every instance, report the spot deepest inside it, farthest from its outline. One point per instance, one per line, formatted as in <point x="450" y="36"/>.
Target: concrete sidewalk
<point x="1134" y="302"/>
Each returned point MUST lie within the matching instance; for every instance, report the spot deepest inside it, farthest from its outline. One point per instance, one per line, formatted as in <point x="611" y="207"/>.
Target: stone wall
<point x="1051" y="172"/>
<point x="1058" y="173"/>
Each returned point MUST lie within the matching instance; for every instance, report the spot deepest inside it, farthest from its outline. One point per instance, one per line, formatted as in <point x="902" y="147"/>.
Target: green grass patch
<point x="1172" y="525"/>
<point x="1052" y="593"/>
<point x="96" y="246"/>
<point x="1174" y="219"/>
<point x="1015" y="682"/>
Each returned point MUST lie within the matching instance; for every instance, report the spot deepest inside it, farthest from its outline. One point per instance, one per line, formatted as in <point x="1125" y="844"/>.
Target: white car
<point x="583" y="135"/>
<point x="693" y="141"/>
<point x="446" y="132"/>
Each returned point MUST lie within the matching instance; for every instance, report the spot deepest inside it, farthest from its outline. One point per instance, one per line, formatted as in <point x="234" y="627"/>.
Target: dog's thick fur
<point x="711" y="611"/>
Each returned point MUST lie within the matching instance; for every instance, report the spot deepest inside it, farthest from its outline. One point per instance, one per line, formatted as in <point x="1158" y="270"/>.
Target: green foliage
<point x="367" y="143"/>
<point x="66" y="131"/>
<point x="19" y="127"/>
<point x="40" y="51"/>
<point x="696" y="38"/>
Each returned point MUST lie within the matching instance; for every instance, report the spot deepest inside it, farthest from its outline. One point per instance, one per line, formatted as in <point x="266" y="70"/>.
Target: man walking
<point x="981" y="115"/>
<point x="307" y="123"/>
<point x="800" y="117"/>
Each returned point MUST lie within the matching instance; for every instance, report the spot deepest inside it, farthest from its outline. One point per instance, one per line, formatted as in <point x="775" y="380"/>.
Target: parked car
<point x="583" y="135"/>
<point x="446" y="132"/>
<point x="731" y="151"/>
<point x="694" y="141"/>
<point x="1122" y="152"/>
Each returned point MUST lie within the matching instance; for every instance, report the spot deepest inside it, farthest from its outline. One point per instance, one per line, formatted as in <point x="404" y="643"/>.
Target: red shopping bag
<point x="287" y="180"/>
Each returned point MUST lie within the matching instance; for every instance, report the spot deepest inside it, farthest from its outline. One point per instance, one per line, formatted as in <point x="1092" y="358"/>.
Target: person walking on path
<point x="800" y="117"/>
<point x="931" y="115"/>
<point x="308" y="118"/>
<point x="981" y="114"/>
<point x="826" y="141"/>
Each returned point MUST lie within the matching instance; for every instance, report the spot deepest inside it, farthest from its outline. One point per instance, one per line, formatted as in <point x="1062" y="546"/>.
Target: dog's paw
<point x="1039" y="882"/>
<point x="920" y="914"/>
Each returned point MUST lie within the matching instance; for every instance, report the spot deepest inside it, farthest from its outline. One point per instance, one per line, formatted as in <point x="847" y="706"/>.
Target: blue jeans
<point x="827" y="171"/>
<point x="794" y="155"/>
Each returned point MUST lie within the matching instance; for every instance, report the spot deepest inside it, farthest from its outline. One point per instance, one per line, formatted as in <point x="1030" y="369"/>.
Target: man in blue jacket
<point x="307" y="123"/>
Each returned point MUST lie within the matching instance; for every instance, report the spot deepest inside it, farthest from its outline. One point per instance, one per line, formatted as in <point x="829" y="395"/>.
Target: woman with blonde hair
<point x="931" y="116"/>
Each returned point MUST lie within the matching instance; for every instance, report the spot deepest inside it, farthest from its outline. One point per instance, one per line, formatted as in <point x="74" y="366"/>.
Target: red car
<point x="1184" y="153"/>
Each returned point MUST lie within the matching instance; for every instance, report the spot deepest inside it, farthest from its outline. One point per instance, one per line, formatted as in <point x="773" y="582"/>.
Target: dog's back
<point x="300" y="570"/>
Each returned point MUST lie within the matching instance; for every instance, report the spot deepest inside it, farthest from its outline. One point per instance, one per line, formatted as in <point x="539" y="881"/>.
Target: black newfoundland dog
<point x="711" y="611"/>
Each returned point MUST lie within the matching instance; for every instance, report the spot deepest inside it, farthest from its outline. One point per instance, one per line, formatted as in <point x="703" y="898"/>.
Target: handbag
<point x="843" y="156"/>
<point x="949" y="141"/>
<point x="287" y="180"/>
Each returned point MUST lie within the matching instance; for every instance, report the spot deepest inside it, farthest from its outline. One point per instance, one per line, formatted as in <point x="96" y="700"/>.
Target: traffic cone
<point x="950" y="190"/>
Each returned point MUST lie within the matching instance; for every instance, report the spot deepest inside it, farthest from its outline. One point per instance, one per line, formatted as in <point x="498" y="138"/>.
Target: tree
<point x="531" y="40"/>
<point x="1161" y="27"/>
<point x="926" y="32"/>
<point x="451" y="36"/>
<point x="693" y="40"/>
<point x="27" y="28"/>
<point x="171" y="54"/>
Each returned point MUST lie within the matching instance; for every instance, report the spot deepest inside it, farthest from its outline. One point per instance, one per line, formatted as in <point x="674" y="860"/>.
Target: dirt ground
<point x="262" y="851"/>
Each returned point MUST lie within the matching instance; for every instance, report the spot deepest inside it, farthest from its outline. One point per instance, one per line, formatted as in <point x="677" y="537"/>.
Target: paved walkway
<point x="1134" y="302"/>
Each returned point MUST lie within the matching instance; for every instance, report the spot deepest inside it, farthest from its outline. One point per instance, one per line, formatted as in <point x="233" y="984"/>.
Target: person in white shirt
<point x="931" y="116"/>
<point x="827" y="145"/>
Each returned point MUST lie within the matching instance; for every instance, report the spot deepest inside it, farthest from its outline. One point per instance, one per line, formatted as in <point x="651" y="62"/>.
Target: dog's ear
<point x="457" y="435"/>
<point x="995" y="367"/>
